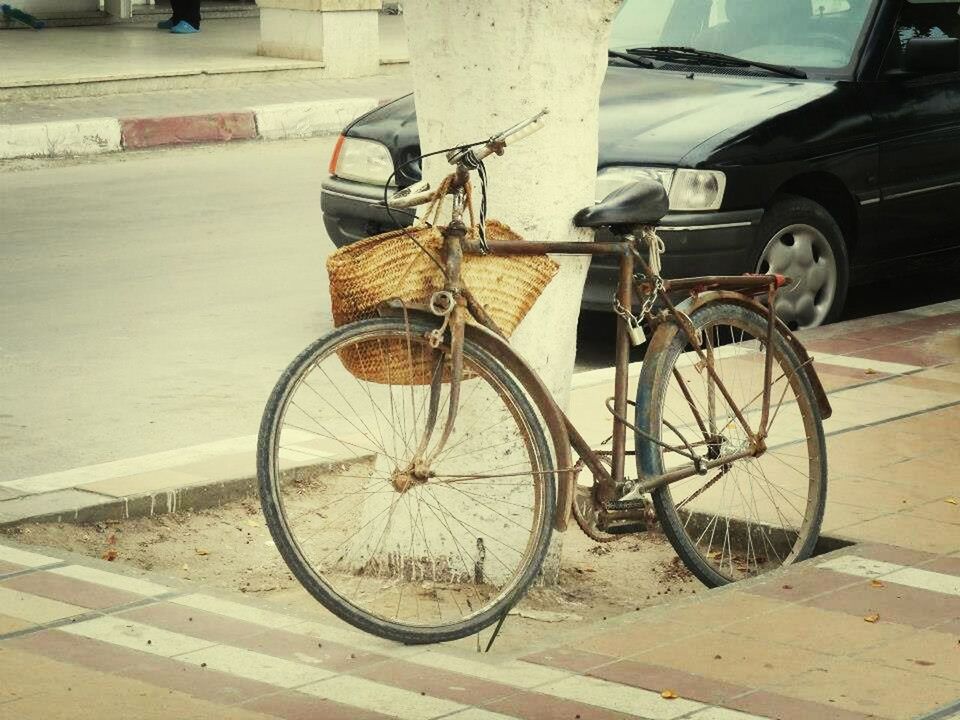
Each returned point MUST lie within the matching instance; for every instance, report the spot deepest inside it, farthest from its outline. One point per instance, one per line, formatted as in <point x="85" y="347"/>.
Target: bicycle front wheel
<point x="755" y="514"/>
<point x="395" y="531"/>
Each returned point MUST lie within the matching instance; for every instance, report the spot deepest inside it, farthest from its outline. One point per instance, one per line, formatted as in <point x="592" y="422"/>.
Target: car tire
<point x="800" y="239"/>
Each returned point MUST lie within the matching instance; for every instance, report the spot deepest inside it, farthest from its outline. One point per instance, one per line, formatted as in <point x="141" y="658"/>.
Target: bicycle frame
<point x="611" y="482"/>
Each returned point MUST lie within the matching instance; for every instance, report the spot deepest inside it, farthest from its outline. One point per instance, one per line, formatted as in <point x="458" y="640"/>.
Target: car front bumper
<point x="708" y="243"/>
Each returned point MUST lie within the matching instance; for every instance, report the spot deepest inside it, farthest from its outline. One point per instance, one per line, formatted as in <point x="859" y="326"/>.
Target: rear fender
<point x="666" y="332"/>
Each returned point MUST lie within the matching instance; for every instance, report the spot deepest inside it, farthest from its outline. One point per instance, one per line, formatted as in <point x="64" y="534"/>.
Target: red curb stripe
<point x="137" y="133"/>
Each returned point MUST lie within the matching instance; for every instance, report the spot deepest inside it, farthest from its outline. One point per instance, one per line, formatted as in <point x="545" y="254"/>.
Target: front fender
<point x="532" y="384"/>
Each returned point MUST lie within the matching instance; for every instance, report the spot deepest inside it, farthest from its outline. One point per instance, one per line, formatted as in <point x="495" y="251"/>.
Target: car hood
<point x="646" y="116"/>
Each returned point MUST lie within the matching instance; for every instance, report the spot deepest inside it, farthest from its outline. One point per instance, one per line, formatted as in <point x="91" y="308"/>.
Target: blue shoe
<point x="165" y="24"/>
<point x="183" y="28"/>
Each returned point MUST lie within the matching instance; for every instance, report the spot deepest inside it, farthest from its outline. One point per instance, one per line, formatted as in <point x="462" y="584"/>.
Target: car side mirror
<point x="931" y="56"/>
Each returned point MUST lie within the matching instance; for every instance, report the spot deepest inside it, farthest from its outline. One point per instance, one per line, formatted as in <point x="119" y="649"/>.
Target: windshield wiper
<point x="630" y="58"/>
<point x="673" y="52"/>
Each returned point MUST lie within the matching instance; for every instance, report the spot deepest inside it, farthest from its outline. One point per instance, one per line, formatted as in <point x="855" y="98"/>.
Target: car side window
<point x="922" y="19"/>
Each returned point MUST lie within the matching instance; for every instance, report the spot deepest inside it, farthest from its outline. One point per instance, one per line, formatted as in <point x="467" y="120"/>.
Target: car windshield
<point x="797" y="33"/>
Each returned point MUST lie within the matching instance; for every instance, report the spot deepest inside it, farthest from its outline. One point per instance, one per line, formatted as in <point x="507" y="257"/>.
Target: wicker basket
<point x="384" y="267"/>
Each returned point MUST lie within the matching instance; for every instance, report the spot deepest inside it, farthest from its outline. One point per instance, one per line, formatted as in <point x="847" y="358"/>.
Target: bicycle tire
<point x="487" y="377"/>
<point x="656" y="380"/>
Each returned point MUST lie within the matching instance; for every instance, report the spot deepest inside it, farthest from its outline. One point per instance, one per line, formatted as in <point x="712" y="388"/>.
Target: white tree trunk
<point x="478" y="68"/>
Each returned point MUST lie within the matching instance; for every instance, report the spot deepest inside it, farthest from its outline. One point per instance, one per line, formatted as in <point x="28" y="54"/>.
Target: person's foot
<point x="183" y="27"/>
<point x="165" y="24"/>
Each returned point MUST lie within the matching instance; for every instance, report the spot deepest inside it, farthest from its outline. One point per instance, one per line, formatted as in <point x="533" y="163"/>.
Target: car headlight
<point x="697" y="190"/>
<point x="361" y="160"/>
<point x="611" y="178"/>
<point x="689" y="190"/>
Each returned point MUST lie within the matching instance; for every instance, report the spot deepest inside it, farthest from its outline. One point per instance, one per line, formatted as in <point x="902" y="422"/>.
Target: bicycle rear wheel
<point x="755" y="514"/>
<point x="415" y="552"/>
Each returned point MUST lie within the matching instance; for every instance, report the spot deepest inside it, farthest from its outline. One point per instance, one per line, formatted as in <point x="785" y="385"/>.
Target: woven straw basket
<point x="367" y="273"/>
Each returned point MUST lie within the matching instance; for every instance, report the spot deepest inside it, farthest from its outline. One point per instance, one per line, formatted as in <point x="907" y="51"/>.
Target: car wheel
<point x="800" y="239"/>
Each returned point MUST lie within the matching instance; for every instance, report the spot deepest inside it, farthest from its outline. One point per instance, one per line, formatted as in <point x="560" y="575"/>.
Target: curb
<point x="93" y="136"/>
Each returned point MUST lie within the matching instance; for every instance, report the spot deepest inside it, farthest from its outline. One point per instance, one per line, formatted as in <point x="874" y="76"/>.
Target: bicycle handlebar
<point x="421" y="193"/>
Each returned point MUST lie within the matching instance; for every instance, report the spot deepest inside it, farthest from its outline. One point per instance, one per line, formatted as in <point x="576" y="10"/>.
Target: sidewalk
<point x="90" y="90"/>
<point x="865" y="632"/>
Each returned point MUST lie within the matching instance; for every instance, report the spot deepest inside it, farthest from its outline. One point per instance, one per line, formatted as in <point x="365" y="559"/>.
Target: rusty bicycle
<point x="418" y="505"/>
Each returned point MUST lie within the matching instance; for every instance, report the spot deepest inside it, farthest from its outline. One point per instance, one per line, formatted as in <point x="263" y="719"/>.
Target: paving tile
<point x="926" y="652"/>
<point x="69" y="590"/>
<point x="296" y="706"/>
<point x="772" y="705"/>
<point x="9" y="624"/>
<point x="620" y="698"/>
<point x="143" y="483"/>
<point x="153" y="669"/>
<point x="35" y="609"/>
<point x="83" y="693"/>
<point x="436" y="683"/>
<point x="6" y="568"/>
<point x="7" y="493"/>
<point x="190" y="621"/>
<point x="856" y="685"/>
<point x="659" y="678"/>
<point x="907" y="353"/>
<point x="305" y="648"/>
<point x="801" y="584"/>
<point x="254" y="666"/>
<point x="380" y="698"/>
<point x="839" y="516"/>
<point x="834" y="633"/>
<point x="136" y="636"/>
<point x="914" y="532"/>
<point x="635" y="637"/>
<point x="127" y="582"/>
<point x="572" y="659"/>
<point x="721" y="609"/>
<point x="536" y="706"/>
<point x="25" y="558"/>
<point x="736" y="659"/>
<point x="945" y="509"/>
<point x="841" y="346"/>
<point x="893" y="554"/>
<point x="876" y="495"/>
<point x="946" y="565"/>
<point x="894" y="603"/>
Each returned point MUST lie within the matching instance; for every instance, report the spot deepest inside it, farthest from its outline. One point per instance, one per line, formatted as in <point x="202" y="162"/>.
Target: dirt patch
<point x="231" y="548"/>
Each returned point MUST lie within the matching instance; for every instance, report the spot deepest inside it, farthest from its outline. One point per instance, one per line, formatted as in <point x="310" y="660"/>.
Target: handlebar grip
<point x="411" y="196"/>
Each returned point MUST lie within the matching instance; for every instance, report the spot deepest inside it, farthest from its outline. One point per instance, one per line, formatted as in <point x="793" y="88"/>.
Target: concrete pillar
<point x="343" y="34"/>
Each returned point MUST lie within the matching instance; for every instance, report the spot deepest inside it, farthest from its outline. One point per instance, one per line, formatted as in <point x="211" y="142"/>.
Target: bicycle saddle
<point x="643" y="202"/>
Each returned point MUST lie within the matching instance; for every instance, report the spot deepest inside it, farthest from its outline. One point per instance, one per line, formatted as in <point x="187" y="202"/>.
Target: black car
<point x="815" y="138"/>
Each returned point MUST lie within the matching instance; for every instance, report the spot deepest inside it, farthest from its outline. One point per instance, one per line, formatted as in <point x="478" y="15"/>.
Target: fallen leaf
<point x="669" y="695"/>
<point x="202" y="552"/>
<point x="872" y="617"/>
<point x="110" y="555"/>
<point x="186" y="567"/>
<point x="952" y="501"/>
<point x="869" y="371"/>
<point x="876" y="584"/>
<point x="924" y="663"/>
<point x="787" y="587"/>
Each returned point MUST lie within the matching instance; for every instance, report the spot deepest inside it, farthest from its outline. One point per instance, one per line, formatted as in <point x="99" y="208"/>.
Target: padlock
<point x="635" y="331"/>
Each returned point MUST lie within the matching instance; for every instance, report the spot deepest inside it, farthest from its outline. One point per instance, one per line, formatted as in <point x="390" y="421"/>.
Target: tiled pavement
<point x="871" y="630"/>
<point x="867" y="631"/>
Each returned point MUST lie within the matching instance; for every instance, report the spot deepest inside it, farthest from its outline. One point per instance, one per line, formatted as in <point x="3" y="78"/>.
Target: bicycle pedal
<point x="620" y="505"/>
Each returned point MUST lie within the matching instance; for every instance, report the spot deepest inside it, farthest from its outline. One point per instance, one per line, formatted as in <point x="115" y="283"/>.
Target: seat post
<point x="621" y="384"/>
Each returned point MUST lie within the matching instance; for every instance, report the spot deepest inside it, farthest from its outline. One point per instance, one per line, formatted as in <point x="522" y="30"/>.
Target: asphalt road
<point x="150" y="300"/>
